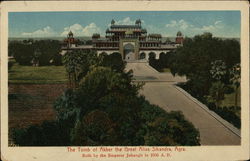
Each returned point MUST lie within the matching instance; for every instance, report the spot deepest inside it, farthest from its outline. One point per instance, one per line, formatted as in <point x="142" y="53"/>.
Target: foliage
<point x="228" y="113"/>
<point x="114" y="61"/>
<point x="217" y="92"/>
<point x="158" y="123"/>
<point x="77" y="64"/>
<point x="44" y="51"/>
<point x="235" y="79"/>
<point x="10" y="64"/>
<point x="218" y="88"/>
<point x="105" y="109"/>
<point x="211" y="66"/>
<point x="218" y="70"/>
<point x="194" y="60"/>
<point x="161" y="63"/>
<point x="47" y="134"/>
<point x="23" y="53"/>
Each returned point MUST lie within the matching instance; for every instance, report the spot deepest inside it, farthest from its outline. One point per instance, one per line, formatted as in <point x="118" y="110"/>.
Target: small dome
<point x="137" y="22"/>
<point x="96" y="35"/>
<point x="112" y="22"/>
<point x="179" y="33"/>
<point x="70" y="33"/>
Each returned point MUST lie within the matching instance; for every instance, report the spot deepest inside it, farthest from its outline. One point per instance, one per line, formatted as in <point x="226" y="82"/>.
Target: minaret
<point x="112" y="22"/>
<point x="70" y="34"/>
<point x="138" y="22"/>
<point x="70" y="39"/>
<point x="179" y="38"/>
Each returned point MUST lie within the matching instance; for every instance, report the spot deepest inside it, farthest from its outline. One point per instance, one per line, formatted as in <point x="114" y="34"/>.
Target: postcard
<point x="124" y="80"/>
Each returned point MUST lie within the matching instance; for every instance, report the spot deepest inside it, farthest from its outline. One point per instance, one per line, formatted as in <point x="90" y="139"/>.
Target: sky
<point x="167" y="23"/>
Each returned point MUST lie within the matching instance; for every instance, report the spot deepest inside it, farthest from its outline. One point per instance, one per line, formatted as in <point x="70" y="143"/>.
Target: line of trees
<point x="103" y="107"/>
<point x="42" y="52"/>
<point x="212" y="67"/>
<point x="161" y="63"/>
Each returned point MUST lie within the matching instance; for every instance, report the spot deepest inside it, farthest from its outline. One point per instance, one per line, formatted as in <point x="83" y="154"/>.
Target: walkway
<point x="160" y="90"/>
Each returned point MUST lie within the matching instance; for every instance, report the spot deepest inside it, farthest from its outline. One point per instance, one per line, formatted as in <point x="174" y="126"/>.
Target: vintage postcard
<point x="124" y="80"/>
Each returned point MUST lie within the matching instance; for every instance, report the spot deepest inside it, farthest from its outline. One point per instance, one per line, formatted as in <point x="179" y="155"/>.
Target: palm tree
<point x="218" y="72"/>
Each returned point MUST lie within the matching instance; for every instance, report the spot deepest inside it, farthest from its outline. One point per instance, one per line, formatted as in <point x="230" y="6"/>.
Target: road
<point x="159" y="89"/>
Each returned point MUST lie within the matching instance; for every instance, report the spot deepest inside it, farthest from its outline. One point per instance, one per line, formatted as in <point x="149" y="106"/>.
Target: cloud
<point x="217" y="25"/>
<point x="45" y="32"/>
<point x="181" y="24"/>
<point x="80" y="30"/>
<point x="90" y="29"/>
<point x="191" y="29"/>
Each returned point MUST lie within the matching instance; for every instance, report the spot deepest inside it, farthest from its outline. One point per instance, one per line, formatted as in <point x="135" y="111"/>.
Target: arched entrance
<point x="129" y="52"/>
<point x="152" y="55"/>
<point x="142" y="56"/>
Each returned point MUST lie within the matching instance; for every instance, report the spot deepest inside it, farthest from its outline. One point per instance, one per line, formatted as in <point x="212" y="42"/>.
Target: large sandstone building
<point x="131" y="41"/>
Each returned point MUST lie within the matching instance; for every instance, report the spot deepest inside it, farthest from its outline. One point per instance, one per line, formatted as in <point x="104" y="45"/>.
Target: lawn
<point x="37" y="75"/>
<point x="166" y="70"/>
<point x="230" y="99"/>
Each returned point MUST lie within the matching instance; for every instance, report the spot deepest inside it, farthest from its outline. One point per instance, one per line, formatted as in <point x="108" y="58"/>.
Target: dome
<point x="179" y="33"/>
<point x="70" y="33"/>
<point x="112" y="22"/>
<point x="137" y="22"/>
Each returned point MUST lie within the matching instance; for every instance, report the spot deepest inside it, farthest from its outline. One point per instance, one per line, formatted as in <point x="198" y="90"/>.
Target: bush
<point x="227" y="113"/>
<point x="10" y="64"/>
<point x="194" y="60"/>
<point x="48" y="134"/>
<point x="105" y="109"/>
<point x="24" y="52"/>
<point x="158" y="123"/>
<point x="114" y="61"/>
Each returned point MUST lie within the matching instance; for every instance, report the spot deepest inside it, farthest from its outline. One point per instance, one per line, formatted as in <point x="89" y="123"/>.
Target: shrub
<point x="228" y="113"/>
<point x="48" y="134"/>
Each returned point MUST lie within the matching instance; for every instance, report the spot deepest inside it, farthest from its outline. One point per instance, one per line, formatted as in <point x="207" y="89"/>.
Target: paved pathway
<point x="162" y="91"/>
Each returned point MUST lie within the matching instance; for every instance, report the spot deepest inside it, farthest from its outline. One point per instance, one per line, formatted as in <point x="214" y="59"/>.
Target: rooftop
<point x="125" y="26"/>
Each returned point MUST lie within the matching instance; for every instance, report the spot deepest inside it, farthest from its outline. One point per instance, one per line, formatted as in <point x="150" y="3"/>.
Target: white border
<point x="60" y="153"/>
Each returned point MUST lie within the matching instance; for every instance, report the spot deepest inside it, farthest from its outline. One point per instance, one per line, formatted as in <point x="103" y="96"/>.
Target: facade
<point x="131" y="41"/>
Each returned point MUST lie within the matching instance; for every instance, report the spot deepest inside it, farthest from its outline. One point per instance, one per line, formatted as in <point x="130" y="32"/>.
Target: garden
<point x="212" y="67"/>
<point x="100" y="106"/>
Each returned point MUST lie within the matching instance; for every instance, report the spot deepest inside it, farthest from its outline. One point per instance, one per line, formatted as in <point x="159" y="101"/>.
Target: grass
<point x="166" y="70"/>
<point x="37" y="75"/>
<point x="230" y="99"/>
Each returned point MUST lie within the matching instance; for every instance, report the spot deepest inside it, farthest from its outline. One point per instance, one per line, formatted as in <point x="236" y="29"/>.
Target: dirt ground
<point x="32" y="103"/>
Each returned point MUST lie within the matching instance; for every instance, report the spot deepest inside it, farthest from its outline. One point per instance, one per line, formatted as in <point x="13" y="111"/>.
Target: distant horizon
<point x="84" y="24"/>
<point x="104" y="37"/>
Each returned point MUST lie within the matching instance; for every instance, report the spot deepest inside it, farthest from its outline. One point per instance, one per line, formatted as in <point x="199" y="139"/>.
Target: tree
<point x="235" y="79"/>
<point x="77" y="64"/>
<point x="23" y="53"/>
<point x="48" y="49"/>
<point x="114" y="61"/>
<point x="26" y="51"/>
<point x="105" y="109"/>
<point x="217" y="91"/>
<point x="194" y="59"/>
<point x="218" y="70"/>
